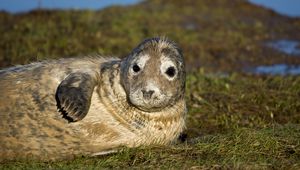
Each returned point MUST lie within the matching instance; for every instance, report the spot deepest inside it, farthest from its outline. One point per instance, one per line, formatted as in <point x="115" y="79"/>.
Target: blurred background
<point x="17" y="6"/>
<point x="255" y="37"/>
<point x="287" y="7"/>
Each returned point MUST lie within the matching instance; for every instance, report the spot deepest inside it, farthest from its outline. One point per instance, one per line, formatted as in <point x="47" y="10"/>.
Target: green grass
<point x="222" y="103"/>
<point x="244" y="148"/>
<point x="235" y="120"/>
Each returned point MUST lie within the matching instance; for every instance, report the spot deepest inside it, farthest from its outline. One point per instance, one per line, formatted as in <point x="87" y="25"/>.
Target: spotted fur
<point x="63" y="108"/>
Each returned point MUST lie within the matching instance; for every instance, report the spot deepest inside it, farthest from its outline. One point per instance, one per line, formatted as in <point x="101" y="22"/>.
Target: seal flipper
<point x="73" y="96"/>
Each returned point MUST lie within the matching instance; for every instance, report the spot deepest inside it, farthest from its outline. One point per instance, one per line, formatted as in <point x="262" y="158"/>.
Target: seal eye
<point x="171" y="71"/>
<point x="136" y="68"/>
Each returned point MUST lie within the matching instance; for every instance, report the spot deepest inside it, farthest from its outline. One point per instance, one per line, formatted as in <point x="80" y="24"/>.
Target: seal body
<point x="87" y="106"/>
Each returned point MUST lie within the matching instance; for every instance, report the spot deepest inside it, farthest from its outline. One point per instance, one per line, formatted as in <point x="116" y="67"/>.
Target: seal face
<point x="153" y="75"/>
<point x="92" y="105"/>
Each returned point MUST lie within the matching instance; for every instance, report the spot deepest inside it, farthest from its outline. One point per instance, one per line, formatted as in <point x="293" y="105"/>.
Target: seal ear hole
<point x="171" y="71"/>
<point x="136" y="68"/>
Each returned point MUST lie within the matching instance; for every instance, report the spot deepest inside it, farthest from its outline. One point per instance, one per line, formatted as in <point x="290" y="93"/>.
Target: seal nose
<point x="147" y="94"/>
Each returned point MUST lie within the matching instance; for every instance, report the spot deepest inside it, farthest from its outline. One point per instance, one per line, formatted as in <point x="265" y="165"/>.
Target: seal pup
<point x="92" y="105"/>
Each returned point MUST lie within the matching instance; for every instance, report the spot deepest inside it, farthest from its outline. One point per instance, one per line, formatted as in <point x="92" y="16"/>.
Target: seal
<point x="93" y="105"/>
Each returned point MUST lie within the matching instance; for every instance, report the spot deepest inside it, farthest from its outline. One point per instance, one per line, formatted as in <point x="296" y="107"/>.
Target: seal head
<point x="153" y="75"/>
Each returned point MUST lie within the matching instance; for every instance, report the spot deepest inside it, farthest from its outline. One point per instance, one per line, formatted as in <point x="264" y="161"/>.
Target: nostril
<point x="147" y="94"/>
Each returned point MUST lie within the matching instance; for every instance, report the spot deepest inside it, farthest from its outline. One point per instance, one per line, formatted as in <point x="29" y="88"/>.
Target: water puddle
<point x="277" y="69"/>
<point x="290" y="47"/>
<point x="14" y="6"/>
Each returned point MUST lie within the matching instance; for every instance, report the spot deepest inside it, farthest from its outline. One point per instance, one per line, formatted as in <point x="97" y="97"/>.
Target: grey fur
<point x="85" y="106"/>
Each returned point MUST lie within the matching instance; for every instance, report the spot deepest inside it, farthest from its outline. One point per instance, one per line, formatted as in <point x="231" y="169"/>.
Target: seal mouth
<point x="146" y="107"/>
<point x="149" y="110"/>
